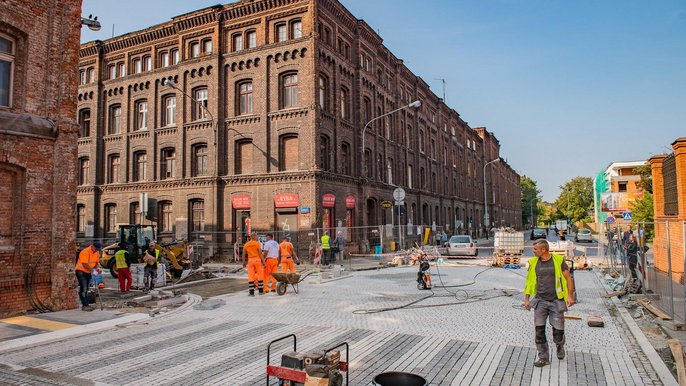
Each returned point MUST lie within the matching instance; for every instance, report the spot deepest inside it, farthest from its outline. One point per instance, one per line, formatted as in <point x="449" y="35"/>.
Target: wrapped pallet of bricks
<point x="137" y="275"/>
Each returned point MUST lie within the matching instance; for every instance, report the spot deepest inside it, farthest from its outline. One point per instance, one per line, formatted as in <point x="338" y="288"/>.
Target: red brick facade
<point x="670" y="216"/>
<point x="309" y="147"/>
<point x="38" y="135"/>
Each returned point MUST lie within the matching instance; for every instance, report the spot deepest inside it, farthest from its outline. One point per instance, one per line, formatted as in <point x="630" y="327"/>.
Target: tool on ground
<point x="97" y="291"/>
<point x="316" y="368"/>
<point x="286" y="278"/>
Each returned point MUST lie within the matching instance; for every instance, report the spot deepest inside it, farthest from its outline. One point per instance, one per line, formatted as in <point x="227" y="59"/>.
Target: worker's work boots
<point x="87" y="308"/>
<point x="560" y="352"/>
<point x="542" y="362"/>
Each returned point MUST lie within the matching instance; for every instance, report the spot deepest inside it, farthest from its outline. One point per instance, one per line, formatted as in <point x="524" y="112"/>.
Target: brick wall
<point x="38" y="182"/>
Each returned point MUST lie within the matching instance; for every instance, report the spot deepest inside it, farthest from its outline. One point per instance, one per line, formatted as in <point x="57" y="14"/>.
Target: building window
<point x="409" y="176"/>
<point x="421" y="141"/>
<point x="621" y="186"/>
<point x="200" y="107"/>
<point x="111" y="218"/>
<point x="296" y="29"/>
<point x="122" y="69"/>
<point x="251" y="39"/>
<point x="324" y="153"/>
<point x="197" y="215"/>
<point x="174" y="56"/>
<point x="207" y="46"/>
<point x="81" y="218"/>
<point x="237" y="40"/>
<point x="280" y="32"/>
<point x="135" y="213"/>
<point x="84" y="170"/>
<point x="327" y="36"/>
<point x="85" y="123"/>
<point x="113" y="169"/>
<point x="243" y="162"/>
<point x="137" y="66"/>
<point x="194" y="49"/>
<point x="165" y="217"/>
<point x="167" y="163"/>
<point x="169" y="113"/>
<point x="141" y="121"/>
<point x="114" y="126"/>
<point x="199" y="160"/>
<point x="345" y="158"/>
<point x="147" y="60"/>
<point x="289" y="87"/>
<point x="112" y="71"/>
<point x="366" y="110"/>
<point x="82" y="76"/>
<point x="322" y="96"/>
<point x="288" y="153"/>
<point x="90" y="75"/>
<point x="164" y="59"/>
<point x="140" y="160"/>
<point x="345" y="104"/>
<point x="245" y="97"/>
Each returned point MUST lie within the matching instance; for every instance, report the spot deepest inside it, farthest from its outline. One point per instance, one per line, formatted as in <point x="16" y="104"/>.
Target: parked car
<point x="583" y="235"/>
<point x="461" y="245"/>
<point x="538" y="233"/>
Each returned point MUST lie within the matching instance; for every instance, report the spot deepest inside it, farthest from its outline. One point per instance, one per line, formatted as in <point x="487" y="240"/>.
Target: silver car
<point x="583" y="235"/>
<point x="461" y="245"/>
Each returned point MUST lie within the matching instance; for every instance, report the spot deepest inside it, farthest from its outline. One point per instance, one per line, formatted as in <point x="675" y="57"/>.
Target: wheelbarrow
<point x="286" y="278"/>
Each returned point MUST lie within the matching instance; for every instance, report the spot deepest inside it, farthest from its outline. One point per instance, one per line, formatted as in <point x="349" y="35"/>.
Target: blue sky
<point x="566" y="86"/>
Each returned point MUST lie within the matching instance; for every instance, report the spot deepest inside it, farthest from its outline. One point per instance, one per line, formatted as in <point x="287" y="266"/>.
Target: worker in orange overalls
<point x="254" y="260"/>
<point x="87" y="262"/>
<point x="271" y="258"/>
<point x="287" y="255"/>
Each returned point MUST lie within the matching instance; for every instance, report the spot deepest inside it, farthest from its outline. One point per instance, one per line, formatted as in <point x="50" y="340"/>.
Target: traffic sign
<point x="399" y="194"/>
<point x="610" y="219"/>
<point x="386" y="204"/>
<point x="626" y="215"/>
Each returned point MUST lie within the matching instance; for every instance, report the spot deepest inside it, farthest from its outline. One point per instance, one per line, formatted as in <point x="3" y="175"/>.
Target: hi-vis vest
<point x="325" y="242"/>
<point x="560" y="281"/>
<point x="120" y="259"/>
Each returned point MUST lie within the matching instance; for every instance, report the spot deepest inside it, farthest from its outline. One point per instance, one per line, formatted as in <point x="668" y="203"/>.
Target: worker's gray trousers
<point x="554" y="312"/>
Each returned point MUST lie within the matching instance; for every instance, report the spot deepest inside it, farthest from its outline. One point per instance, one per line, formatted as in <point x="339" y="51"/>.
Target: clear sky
<point x="566" y="86"/>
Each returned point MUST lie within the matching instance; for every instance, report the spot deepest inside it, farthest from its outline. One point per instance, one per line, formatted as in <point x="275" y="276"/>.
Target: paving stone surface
<point x="471" y="331"/>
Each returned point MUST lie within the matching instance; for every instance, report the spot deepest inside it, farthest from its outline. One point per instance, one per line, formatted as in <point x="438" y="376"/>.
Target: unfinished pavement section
<point x="482" y="342"/>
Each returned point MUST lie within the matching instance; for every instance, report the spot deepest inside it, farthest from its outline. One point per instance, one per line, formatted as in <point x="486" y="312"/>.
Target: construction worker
<point x="254" y="260"/>
<point x="123" y="262"/>
<point x="151" y="259"/>
<point x="326" y="248"/>
<point x="287" y="255"/>
<point x="550" y="282"/>
<point x="270" y="249"/>
<point x="87" y="262"/>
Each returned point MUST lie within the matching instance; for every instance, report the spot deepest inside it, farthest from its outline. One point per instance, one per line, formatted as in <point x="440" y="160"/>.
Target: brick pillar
<point x="679" y="147"/>
<point x="660" y="255"/>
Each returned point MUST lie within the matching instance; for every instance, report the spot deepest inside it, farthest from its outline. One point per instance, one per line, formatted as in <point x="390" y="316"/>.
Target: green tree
<point x="642" y="211"/>
<point x="575" y="202"/>
<point x="646" y="174"/>
<point x="547" y="214"/>
<point x="529" y="192"/>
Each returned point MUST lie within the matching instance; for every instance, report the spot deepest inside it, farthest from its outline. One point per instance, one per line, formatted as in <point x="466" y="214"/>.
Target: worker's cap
<point x="152" y="244"/>
<point x="97" y="245"/>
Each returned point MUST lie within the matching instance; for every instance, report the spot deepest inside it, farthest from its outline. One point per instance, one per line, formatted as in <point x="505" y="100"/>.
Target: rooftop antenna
<point x="443" y="82"/>
<point x="113" y="30"/>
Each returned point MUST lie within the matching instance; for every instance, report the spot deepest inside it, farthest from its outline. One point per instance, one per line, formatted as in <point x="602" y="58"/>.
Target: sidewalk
<point x="474" y="334"/>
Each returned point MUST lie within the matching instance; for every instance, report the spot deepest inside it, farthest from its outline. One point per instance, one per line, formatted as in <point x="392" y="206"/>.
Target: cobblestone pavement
<point x="462" y="335"/>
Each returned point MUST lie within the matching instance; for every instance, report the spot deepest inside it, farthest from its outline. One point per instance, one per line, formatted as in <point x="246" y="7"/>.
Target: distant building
<point x="39" y="54"/>
<point x="281" y="93"/>
<point x="615" y="188"/>
<point x="669" y="205"/>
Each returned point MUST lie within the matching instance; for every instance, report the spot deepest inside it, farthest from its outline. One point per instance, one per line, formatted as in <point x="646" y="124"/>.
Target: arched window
<point x="244" y="98"/>
<point x="237" y="42"/>
<point x="243" y="157"/>
<point x="140" y="163"/>
<point x="114" y="126"/>
<point x="199" y="166"/>
<point x="165" y="217"/>
<point x="288" y="152"/>
<point x="167" y="163"/>
<point x="289" y="90"/>
<point x="196" y="209"/>
<point x="296" y="30"/>
<point x="110" y="218"/>
<point x="141" y="115"/>
<point x="251" y="39"/>
<point x="80" y="218"/>
<point x="345" y="158"/>
<point x="134" y="213"/>
<point x="199" y="110"/>
<point x="322" y="90"/>
<point x="280" y="33"/>
<point x="345" y="104"/>
<point x="85" y="123"/>
<point x="84" y="170"/>
<point x="168" y="110"/>
<point x="113" y="168"/>
<point x="324" y="153"/>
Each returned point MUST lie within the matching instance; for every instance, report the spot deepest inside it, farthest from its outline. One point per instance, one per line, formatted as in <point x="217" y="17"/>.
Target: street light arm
<point x="486" y="222"/>
<point x="170" y="83"/>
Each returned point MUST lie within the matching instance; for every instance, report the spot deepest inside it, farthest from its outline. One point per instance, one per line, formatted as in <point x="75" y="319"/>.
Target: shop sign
<point x="240" y="201"/>
<point x="328" y="200"/>
<point x="286" y="200"/>
<point x="350" y="202"/>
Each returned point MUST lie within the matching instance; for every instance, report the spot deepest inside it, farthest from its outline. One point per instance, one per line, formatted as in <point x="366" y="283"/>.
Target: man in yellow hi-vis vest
<point x="550" y="283"/>
<point x="123" y="262"/>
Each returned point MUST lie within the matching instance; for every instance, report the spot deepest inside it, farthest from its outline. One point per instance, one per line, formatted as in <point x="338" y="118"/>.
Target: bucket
<point x="395" y="378"/>
<point x="377" y="251"/>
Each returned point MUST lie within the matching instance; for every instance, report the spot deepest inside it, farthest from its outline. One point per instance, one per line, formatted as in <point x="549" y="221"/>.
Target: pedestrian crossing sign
<point x="626" y="215"/>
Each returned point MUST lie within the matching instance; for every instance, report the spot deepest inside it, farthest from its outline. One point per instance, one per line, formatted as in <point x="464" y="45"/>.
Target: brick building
<point x="265" y="121"/>
<point x="669" y="205"/>
<point x="39" y="48"/>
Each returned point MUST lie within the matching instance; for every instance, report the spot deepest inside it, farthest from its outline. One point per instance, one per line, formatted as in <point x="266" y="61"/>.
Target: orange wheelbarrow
<point x="286" y="278"/>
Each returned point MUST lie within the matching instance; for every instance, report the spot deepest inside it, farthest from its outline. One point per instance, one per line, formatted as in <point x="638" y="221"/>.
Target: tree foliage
<point x="530" y="192"/>
<point x="642" y="211"/>
<point x="646" y="174"/>
<point x="576" y="199"/>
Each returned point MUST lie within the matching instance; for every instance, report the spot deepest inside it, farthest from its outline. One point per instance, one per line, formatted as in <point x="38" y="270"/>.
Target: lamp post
<point x="415" y="105"/>
<point x="486" y="219"/>
<point x="170" y="83"/>
<point x="531" y="203"/>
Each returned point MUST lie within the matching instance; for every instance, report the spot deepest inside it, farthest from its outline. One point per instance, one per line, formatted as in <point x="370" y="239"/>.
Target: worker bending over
<point x="288" y="255"/>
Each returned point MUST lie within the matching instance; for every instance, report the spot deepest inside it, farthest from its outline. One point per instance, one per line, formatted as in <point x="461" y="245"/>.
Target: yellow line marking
<point x="41" y="324"/>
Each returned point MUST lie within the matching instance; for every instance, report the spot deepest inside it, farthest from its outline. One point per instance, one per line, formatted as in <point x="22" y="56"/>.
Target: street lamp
<point x="170" y="83"/>
<point x="414" y="105"/>
<point x="531" y="203"/>
<point x="486" y="219"/>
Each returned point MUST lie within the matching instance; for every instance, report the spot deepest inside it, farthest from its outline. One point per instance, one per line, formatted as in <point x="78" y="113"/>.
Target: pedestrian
<point x="88" y="260"/>
<point x="270" y="249"/>
<point x="550" y="283"/>
<point x="444" y="238"/>
<point x="326" y="248"/>
<point x="151" y="259"/>
<point x="339" y="246"/>
<point x="123" y="264"/>
<point x="288" y="255"/>
<point x="632" y="255"/>
<point x="253" y="259"/>
<point x="437" y="237"/>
